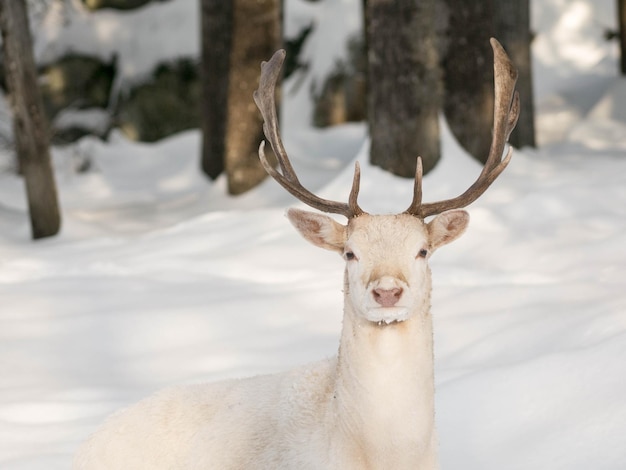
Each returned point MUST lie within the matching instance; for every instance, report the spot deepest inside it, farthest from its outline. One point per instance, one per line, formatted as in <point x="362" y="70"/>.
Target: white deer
<point x="372" y="406"/>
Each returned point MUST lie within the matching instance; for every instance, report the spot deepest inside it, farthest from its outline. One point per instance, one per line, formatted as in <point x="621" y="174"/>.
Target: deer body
<point x="371" y="407"/>
<point x="382" y="406"/>
<point x="386" y="398"/>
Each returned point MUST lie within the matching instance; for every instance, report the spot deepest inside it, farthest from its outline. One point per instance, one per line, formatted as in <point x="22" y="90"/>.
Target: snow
<point x="160" y="278"/>
<point x="136" y="39"/>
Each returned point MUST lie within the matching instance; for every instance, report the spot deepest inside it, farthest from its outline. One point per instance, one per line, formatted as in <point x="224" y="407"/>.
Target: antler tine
<point x="264" y="97"/>
<point x="505" y="114"/>
<point x="416" y="205"/>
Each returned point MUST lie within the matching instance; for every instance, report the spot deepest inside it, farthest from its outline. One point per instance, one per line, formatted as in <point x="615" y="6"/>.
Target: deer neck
<point x="384" y="396"/>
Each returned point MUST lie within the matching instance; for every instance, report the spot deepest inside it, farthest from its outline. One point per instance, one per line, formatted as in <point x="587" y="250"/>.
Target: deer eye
<point x="349" y="256"/>
<point x="422" y="253"/>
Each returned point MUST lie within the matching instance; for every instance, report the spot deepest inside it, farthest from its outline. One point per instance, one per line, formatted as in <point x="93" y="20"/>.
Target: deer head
<point x="387" y="277"/>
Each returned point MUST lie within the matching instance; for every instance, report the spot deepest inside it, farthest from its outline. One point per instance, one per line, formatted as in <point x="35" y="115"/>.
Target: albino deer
<point x="372" y="406"/>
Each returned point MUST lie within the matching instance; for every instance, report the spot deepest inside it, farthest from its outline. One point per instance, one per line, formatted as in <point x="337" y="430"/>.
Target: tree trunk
<point x="237" y="35"/>
<point x="621" y="18"/>
<point x="404" y="84"/>
<point x="256" y="36"/>
<point x="217" y="25"/>
<point x="29" y="124"/>
<point x="468" y="75"/>
<point x="468" y="66"/>
<point x="512" y="29"/>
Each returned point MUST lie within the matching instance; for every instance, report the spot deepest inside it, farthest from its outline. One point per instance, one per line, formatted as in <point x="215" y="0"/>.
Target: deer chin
<point x="383" y="316"/>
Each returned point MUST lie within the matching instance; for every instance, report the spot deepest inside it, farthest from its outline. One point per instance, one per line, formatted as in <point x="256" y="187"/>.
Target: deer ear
<point x="319" y="229"/>
<point x="447" y="227"/>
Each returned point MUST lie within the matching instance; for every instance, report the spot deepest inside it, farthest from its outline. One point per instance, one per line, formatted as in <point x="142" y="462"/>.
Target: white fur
<point x="371" y="407"/>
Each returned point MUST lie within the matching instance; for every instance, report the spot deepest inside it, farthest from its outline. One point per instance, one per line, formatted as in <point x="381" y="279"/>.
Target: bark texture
<point x="468" y="65"/>
<point x="237" y="35"/>
<point x="256" y="36"/>
<point x="404" y="84"/>
<point x="217" y="25"/>
<point x="512" y="29"/>
<point x="468" y="82"/>
<point x="621" y="20"/>
<point x="29" y="124"/>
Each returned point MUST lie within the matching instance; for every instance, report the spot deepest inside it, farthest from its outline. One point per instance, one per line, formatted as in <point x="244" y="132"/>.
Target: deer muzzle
<point x="387" y="291"/>
<point x="387" y="297"/>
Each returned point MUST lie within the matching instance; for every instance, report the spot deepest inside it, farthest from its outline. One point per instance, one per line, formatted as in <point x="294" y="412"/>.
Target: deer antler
<point x="505" y="114"/>
<point x="264" y="97"/>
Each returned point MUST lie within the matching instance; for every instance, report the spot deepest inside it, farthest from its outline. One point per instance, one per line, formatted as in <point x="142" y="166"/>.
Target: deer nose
<point x="387" y="297"/>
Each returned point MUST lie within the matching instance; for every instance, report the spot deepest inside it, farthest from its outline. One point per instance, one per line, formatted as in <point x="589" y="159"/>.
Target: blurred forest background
<point x="410" y="61"/>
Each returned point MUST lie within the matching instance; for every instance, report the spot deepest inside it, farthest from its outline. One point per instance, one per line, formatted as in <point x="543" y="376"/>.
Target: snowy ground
<point x="159" y="278"/>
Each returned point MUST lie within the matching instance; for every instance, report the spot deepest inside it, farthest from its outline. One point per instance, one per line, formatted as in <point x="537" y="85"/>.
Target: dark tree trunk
<point x="621" y="18"/>
<point x="29" y="124"/>
<point x="468" y="66"/>
<point x="217" y="26"/>
<point x="257" y="34"/>
<point x="237" y="35"/>
<point x="404" y="84"/>
<point x="512" y="29"/>
<point x="468" y="75"/>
